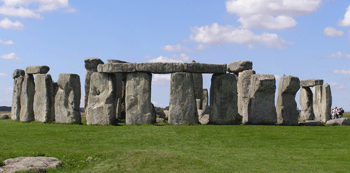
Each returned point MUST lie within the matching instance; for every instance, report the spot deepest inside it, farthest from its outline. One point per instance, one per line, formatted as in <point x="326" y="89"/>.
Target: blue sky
<point x="304" y="38"/>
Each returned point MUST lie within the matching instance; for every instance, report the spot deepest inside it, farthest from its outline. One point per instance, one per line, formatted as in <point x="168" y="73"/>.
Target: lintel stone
<point x="311" y="82"/>
<point x="239" y="66"/>
<point x="117" y="68"/>
<point x="37" y="69"/>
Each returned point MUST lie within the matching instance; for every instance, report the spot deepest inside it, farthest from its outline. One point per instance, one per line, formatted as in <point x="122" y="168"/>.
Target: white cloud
<point x="346" y="20"/>
<point x="11" y="56"/>
<point x="336" y="86"/>
<point x="9" y="42"/>
<point x="341" y="71"/>
<point x="18" y="12"/>
<point x="164" y="59"/>
<point x="2" y="75"/>
<point x="8" y="24"/>
<point x="332" y="32"/>
<point x="42" y="5"/>
<point x="338" y="55"/>
<point x="161" y="79"/>
<point x="176" y="48"/>
<point x="217" y="35"/>
<point x="200" y="47"/>
<point x="270" y="14"/>
<point x="182" y="57"/>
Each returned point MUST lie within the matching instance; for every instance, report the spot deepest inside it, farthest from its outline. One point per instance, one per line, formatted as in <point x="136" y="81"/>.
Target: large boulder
<point x="16" y="99"/>
<point x="317" y="102"/>
<point x="223" y="100"/>
<point x="90" y="66"/>
<point x="182" y="104"/>
<point x="39" y="164"/>
<point x="306" y="104"/>
<point x="27" y="99"/>
<point x="287" y="113"/>
<point x="239" y="66"/>
<point x="67" y="100"/>
<point x="243" y="86"/>
<point x="102" y="103"/>
<point x="339" y="122"/>
<point x="44" y="98"/>
<point x="326" y="104"/>
<point x="37" y="69"/>
<point x="138" y="99"/>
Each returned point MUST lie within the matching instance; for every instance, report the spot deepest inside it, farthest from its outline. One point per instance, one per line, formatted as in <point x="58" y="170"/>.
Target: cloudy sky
<point x="304" y="38"/>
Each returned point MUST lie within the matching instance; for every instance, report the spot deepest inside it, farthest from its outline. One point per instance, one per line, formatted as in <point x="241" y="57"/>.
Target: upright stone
<point x="198" y="86"/>
<point x="90" y="66"/>
<point x="317" y="101"/>
<point x="67" y="100"/>
<point x="306" y="104"/>
<point x="27" y="99"/>
<point x="326" y="105"/>
<point x="204" y="101"/>
<point x="138" y="99"/>
<point x="243" y="86"/>
<point x="16" y="99"/>
<point x="182" y="104"/>
<point x="44" y="98"/>
<point x="261" y="107"/>
<point x="286" y="107"/>
<point x="223" y="100"/>
<point x="102" y="103"/>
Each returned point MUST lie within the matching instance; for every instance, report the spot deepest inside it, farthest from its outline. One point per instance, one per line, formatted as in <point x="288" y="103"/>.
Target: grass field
<point x="185" y="148"/>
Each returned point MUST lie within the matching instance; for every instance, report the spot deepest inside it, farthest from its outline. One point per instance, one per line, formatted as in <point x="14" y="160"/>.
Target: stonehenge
<point x="27" y="99"/>
<point x="18" y="76"/>
<point x="90" y="66"/>
<point x="44" y="98"/>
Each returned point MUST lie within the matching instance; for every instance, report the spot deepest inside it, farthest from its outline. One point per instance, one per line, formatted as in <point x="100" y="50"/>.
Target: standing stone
<point x="261" y="107"/>
<point x="17" y="73"/>
<point x="204" y="100"/>
<point x="67" y="100"/>
<point x="44" y="98"/>
<point x="243" y="86"/>
<point x="16" y="99"/>
<point x="286" y="107"/>
<point x="138" y="99"/>
<point x="317" y="101"/>
<point x="182" y="104"/>
<point x="306" y="104"/>
<point x="326" y="105"/>
<point x="223" y="100"/>
<point x="198" y="86"/>
<point x="90" y="66"/>
<point x="101" y="106"/>
<point x="27" y="99"/>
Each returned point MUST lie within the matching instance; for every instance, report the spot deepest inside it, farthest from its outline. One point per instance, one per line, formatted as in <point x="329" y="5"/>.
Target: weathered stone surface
<point x="311" y="82"/>
<point x="160" y="67"/>
<point x="261" y="107"/>
<point x="287" y="113"/>
<point x="311" y="123"/>
<point x="223" y="99"/>
<point x="138" y="99"/>
<point x="44" y="98"/>
<point x="326" y="104"/>
<point x="243" y="86"/>
<point x="17" y="73"/>
<point x="204" y="119"/>
<point x="67" y="100"/>
<point x="182" y="104"/>
<point x="16" y="99"/>
<point x="91" y="63"/>
<point x="115" y="61"/>
<point x="102" y="103"/>
<point x="239" y="66"/>
<point x="317" y="101"/>
<point x="198" y="87"/>
<point x="160" y="120"/>
<point x="37" y="69"/>
<point x="306" y="104"/>
<point x="205" y="100"/>
<point x="27" y="99"/>
<point x="339" y="122"/>
<point x="118" y="111"/>
<point x="90" y="66"/>
<point x="5" y="116"/>
<point x="30" y="163"/>
<point x="205" y="68"/>
<point x="117" y="68"/>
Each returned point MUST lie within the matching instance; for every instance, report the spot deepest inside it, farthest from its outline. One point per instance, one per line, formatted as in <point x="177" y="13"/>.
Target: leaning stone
<point x="90" y="66"/>
<point x="67" y="100"/>
<point x="339" y="122"/>
<point x="287" y="113"/>
<point x="239" y="66"/>
<point x="27" y="99"/>
<point x="317" y="101"/>
<point x="205" y="68"/>
<point x="39" y="164"/>
<point x="16" y="99"/>
<point x="261" y="107"/>
<point x="138" y="99"/>
<point x="159" y="67"/>
<point x="44" y="98"/>
<point x="326" y="104"/>
<point x="243" y="86"/>
<point x="306" y="104"/>
<point x="311" y="82"/>
<point x="182" y="104"/>
<point x="117" y="68"/>
<point x="4" y="116"/>
<point x="37" y="69"/>
<point x="311" y="123"/>
<point x="17" y="73"/>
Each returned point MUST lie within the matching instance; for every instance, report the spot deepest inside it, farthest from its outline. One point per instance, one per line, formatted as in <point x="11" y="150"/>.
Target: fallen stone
<point x="205" y="68"/>
<point x="311" y="123"/>
<point x="67" y="100"/>
<point x="243" y="85"/>
<point x="16" y="99"/>
<point x="317" y="102"/>
<point x="287" y="113"/>
<point x="90" y="66"/>
<point x="239" y="66"/>
<point x="159" y="67"/>
<point x="182" y="104"/>
<point x="326" y="103"/>
<point x="37" y="69"/>
<point x="17" y="73"/>
<point x="4" y="116"/>
<point x="30" y="164"/>
<point x="27" y="99"/>
<point x="117" y="68"/>
<point x="44" y="97"/>
<point x="339" y="122"/>
<point x="311" y="82"/>
<point x="160" y="120"/>
<point x="306" y="104"/>
<point x="223" y="100"/>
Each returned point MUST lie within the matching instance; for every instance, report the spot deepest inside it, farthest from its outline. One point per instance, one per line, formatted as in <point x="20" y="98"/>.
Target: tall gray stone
<point x="16" y="99"/>
<point x="90" y="65"/>
<point x="138" y="99"/>
<point x="243" y="86"/>
<point x="198" y="86"/>
<point x="261" y="107"/>
<point x="286" y="107"/>
<point x="223" y="100"/>
<point x="306" y="104"/>
<point x="326" y="104"/>
<point x="17" y="73"/>
<point x="182" y="104"/>
<point x="205" y="100"/>
<point x="102" y="103"/>
<point x="317" y="101"/>
<point x="37" y="69"/>
<point x="44" y="98"/>
<point x="67" y="100"/>
<point x="27" y="99"/>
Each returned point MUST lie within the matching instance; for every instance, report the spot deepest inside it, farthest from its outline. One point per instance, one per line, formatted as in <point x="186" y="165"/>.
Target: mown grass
<point x="186" y="148"/>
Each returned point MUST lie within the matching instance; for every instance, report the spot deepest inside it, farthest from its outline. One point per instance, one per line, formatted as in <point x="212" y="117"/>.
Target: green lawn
<point x="185" y="148"/>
